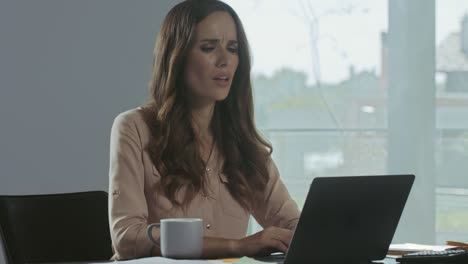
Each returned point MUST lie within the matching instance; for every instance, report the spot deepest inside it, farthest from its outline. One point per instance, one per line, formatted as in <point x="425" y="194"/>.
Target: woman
<point x="193" y="150"/>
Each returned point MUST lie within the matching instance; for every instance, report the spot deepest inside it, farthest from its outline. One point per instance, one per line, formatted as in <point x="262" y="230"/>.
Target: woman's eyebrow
<point x="215" y="40"/>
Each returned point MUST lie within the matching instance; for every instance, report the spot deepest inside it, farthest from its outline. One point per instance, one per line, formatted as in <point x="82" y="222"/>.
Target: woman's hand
<point x="272" y="239"/>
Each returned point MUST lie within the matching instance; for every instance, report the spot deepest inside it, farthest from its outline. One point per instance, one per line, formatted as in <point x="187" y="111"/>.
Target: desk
<point x="159" y="260"/>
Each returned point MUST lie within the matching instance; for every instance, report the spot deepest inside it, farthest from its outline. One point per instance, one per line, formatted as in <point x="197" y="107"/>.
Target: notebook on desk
<point x="348" y="219"/>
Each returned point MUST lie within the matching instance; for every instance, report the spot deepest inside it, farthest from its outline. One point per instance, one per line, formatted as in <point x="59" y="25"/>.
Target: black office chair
<point x="55" y="227"/>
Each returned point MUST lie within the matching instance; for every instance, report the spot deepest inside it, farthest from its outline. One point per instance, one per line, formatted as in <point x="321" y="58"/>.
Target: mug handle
<point x="149" y="230"/>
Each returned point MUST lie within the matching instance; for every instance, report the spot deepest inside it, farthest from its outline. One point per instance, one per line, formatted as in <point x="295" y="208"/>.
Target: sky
<point x="348" y="33"/>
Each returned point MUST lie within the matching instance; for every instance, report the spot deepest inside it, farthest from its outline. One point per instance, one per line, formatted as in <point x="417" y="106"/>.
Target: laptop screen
<point x="349" y="218"/>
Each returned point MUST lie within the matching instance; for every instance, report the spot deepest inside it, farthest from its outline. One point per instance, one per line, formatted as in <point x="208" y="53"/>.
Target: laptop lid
<point x="349" y="219"/>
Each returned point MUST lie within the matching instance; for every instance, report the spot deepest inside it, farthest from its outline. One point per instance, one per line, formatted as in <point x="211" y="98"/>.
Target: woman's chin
<point x="221" y="96"/>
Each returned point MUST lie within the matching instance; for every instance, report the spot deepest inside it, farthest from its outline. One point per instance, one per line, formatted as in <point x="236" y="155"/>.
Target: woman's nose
<point x="223" y="58"/>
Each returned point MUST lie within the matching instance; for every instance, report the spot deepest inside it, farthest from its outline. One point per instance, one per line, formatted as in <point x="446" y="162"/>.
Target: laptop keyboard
<point x="273" y="258"/>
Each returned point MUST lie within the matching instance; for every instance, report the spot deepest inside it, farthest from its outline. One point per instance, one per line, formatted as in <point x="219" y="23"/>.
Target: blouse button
<point x="208" y="226"/>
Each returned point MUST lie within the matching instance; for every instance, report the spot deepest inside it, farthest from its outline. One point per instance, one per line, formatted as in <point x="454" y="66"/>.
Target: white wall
<point x="67" y="68"/>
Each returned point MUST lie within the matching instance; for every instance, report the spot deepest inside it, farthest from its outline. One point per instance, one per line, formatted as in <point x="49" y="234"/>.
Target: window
<point x="367" y="87"/>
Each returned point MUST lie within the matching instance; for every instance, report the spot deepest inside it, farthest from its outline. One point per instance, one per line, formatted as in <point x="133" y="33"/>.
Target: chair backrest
<point x="55" y="227"/>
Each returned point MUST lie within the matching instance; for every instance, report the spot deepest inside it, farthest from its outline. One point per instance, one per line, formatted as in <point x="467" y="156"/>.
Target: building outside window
<point x="351" y="87"/>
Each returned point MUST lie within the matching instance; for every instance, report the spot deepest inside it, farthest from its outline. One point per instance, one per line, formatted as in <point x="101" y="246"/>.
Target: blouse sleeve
<point x="128" y="211"/>
<point x="277" y="207"/>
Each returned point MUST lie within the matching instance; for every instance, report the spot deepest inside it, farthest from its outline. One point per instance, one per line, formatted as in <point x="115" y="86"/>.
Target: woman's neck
<point x="201" y="120"/>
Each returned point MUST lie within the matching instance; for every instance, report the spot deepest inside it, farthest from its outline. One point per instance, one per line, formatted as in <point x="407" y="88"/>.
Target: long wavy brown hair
<point x="173" y="148"/>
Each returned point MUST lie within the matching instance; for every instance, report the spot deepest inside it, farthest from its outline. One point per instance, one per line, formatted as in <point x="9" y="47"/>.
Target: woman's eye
<point x="233" y="49"/>
<point x="207" y="49"/>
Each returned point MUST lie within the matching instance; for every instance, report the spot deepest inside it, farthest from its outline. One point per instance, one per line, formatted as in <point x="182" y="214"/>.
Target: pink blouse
<point x="134" y="203"/>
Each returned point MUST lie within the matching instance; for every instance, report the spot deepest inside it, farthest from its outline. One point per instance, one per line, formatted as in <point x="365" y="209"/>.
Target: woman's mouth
<point x="221" y="81"/>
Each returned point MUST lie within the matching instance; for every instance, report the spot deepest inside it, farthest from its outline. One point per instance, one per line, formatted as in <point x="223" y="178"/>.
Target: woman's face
<point x="212" y="60"/>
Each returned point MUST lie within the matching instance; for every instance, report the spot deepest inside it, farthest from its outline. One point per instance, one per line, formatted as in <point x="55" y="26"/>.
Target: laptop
<point x="348" y="219"/>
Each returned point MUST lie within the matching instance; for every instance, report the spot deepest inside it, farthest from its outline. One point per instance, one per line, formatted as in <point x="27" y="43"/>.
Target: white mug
<point x="179" y="237"/>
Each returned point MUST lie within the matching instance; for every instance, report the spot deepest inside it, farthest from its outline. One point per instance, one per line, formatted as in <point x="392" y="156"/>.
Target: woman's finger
<point x="279" y="245"/>
<point x="282" y="241"/>
<point x="283" y="235"/>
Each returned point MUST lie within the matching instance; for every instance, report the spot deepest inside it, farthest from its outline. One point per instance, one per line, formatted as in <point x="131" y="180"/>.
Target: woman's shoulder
<point x="272" y="168"/>
<point x="132" y="115"/>
<point x="130" y="119"/>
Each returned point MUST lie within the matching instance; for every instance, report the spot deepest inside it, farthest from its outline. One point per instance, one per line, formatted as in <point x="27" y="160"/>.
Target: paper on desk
<point x="247" y="260"/>
<point x="410" y="247"/>
<point x="160" y="260"/>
